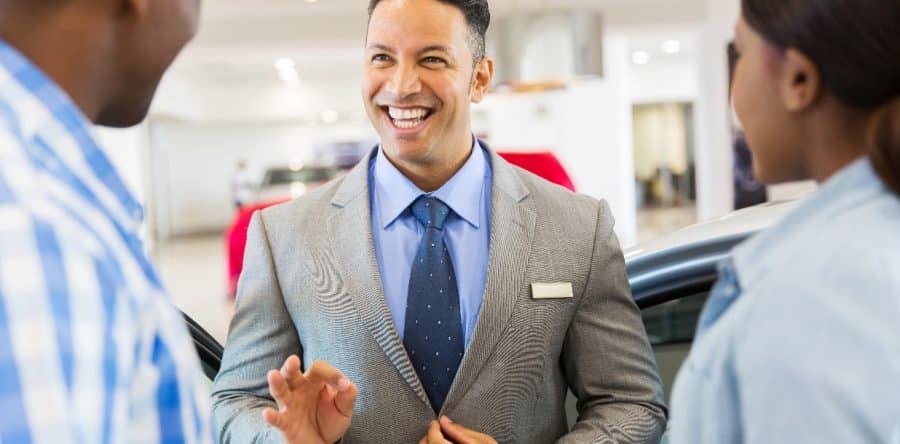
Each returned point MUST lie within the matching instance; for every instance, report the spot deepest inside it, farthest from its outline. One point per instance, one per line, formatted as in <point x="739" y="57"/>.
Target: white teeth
<point x="407" y="114"/>
<point x="406" y="124"/>
<point x="406" y="118"/>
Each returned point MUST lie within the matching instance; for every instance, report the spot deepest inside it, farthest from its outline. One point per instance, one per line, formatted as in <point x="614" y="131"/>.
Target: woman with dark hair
<point x="800" y="339"/>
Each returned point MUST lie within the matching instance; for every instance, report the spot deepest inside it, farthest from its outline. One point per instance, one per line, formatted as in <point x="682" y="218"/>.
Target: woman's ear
<point x="801" y="81"/>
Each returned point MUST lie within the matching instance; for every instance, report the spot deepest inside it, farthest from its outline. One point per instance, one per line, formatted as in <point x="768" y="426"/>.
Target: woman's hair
<point x="856" y="46"/>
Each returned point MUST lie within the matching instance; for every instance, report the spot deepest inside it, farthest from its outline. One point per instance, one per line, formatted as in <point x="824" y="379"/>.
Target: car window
<point x="670" y="328"/>
<point x="675" y="321"/>
<point x="304" y="175"/>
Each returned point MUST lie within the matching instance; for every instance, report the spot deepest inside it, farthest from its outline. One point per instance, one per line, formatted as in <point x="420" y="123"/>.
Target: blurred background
<point x="621" y="99"/>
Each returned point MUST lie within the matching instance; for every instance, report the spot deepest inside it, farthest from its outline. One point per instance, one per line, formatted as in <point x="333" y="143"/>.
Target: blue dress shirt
<point x="798" y="342"/>
<point x="467" y="232"/>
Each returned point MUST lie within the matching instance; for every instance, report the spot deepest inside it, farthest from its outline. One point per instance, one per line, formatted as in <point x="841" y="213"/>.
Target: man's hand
<point x="446" y="431"/>
<point x="314" y="407"/>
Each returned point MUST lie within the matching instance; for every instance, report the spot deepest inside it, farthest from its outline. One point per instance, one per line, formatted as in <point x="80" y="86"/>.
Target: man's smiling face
<point x="418" y="80"/>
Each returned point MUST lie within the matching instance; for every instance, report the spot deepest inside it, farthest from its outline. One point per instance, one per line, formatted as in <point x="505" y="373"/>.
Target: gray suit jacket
<point x="311" y="286"/>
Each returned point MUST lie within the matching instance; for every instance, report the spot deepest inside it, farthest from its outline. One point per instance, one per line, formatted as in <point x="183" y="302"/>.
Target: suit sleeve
<point x="261" y="337"/>
<point x="607" y="357"/>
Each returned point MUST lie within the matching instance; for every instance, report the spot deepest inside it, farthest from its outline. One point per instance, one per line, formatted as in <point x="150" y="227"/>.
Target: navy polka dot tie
<point x="433" y="332"/>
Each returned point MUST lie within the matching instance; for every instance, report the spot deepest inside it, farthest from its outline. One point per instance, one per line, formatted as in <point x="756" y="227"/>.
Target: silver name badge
<point x="556" y="290"/>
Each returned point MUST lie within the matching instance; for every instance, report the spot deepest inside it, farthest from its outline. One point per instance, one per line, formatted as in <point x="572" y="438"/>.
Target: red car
<point x="544" y="164"/>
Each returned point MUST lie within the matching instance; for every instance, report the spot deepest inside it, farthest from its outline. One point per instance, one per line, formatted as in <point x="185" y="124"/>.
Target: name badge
<point x="556" y="290"/>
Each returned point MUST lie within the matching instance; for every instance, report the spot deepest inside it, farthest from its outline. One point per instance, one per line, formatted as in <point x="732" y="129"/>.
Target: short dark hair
<point x="478" y="17"/>
<point x="854" y="45"/>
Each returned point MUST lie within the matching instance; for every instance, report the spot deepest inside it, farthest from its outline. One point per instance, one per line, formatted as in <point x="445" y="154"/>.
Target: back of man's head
<point x="107" y="55"/>
<point x="478" y="17"/>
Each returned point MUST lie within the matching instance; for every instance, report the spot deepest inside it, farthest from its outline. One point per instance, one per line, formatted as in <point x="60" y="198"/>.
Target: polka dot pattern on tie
<point x="432" y="306"/>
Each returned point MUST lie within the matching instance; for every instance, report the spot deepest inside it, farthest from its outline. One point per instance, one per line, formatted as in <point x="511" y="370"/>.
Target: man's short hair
<point x="478" y="17"/>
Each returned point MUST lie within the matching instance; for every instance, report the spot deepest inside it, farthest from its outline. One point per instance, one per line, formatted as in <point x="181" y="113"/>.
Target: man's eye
<point x="381" y="58"/>
<point x="434" y="61"/>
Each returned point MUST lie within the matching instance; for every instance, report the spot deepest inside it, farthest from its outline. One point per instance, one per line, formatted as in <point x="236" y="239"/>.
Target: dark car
<point x="670" y="279"/>
<point x="282" y="183"/>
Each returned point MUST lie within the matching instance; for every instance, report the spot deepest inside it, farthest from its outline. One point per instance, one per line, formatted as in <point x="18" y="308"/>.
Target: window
<point x="670" y="328"/>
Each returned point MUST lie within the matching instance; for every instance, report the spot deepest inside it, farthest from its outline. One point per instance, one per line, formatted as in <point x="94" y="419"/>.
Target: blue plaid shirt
<point x="91" y="350"/>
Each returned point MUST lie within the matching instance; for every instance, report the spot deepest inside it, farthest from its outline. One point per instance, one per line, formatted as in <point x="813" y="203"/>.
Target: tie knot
<point x="431" y="212"/>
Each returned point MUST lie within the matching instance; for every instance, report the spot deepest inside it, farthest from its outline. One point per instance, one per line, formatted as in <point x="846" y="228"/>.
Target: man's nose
<point x="405" y="81"/>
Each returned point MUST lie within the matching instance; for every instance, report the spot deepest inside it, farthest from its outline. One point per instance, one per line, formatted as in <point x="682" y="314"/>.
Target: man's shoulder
<point x="32" y="219"/>
<point x="558" y="203"/>
<point x="11" y="139"/>
<point x="41" y="245"/>
<point x="314" y="206"/>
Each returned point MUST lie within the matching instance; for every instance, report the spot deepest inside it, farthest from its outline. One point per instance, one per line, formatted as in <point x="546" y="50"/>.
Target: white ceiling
<point x="338" y="23"/>
<point x="239" y="40"/>
<point x="225" y="9"/>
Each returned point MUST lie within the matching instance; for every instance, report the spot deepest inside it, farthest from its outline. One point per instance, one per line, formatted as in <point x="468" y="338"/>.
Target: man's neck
<point x="430" y="175"/>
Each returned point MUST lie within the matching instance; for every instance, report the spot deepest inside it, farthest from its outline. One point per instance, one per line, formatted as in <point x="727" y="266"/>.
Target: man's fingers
<point x="278" y="387"/>
<point x="435" y="436"/>
<point x="345" y="400"/>
<point x="291" y="372"/>
<point x="454" y="431"/>
<point x="321" y="373"/>
<point x="272" y="417"/>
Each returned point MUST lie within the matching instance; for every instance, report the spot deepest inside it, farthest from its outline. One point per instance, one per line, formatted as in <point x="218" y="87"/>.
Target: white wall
<point x="260" y="101"/>
<point x="193" y="165"/>
<point x="664" y="81"/>
<point x="588" y="125"/>
<point x="715" y="190"/>
<point x="129" y="151"/>
<point x="124" y="147"/>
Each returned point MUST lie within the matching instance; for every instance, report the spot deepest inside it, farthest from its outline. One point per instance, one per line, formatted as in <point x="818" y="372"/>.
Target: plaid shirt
<point x="91" y="349"/>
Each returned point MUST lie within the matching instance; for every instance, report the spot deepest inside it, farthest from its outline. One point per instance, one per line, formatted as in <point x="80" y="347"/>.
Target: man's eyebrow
<point x="381" y="47"/>
<point x="439" y="48"/>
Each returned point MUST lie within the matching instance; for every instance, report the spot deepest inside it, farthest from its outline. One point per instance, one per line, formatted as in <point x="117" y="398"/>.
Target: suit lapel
<point x="512" y="231"/>
<point x="354" y="257"/>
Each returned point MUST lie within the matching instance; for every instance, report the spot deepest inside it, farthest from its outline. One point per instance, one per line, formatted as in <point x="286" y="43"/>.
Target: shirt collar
<point x="463" y="193"/>
<point x="843" y="191"/>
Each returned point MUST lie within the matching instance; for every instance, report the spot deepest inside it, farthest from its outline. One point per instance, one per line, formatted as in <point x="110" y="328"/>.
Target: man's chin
<point x="406" y="151"/>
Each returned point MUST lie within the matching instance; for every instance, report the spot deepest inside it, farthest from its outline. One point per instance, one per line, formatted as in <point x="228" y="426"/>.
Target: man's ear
<point x="482" y="78"/>
<point x="801" y="81"/>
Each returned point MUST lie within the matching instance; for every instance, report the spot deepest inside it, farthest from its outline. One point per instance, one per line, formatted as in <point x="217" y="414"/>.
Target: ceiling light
<point x="671" y="47"/>
<point x="330" y="116"/>
<point x="640" y="57"/>
<point x="288" y="75"/>
<point x="297" y="189"/>
<point x="284" y="64"/>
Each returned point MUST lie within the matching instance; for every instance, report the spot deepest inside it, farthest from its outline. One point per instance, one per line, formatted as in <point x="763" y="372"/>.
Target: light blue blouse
<point x="800" y="339"/>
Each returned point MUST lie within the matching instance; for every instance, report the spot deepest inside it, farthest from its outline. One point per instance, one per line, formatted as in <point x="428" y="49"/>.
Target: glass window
<point x="675" y="321"/>
<point x="304" y="175"/>
<point x="670" y="328"/>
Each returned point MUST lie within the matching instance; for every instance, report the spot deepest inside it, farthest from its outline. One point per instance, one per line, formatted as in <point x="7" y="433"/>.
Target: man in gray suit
<point x="443" y="281"/>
